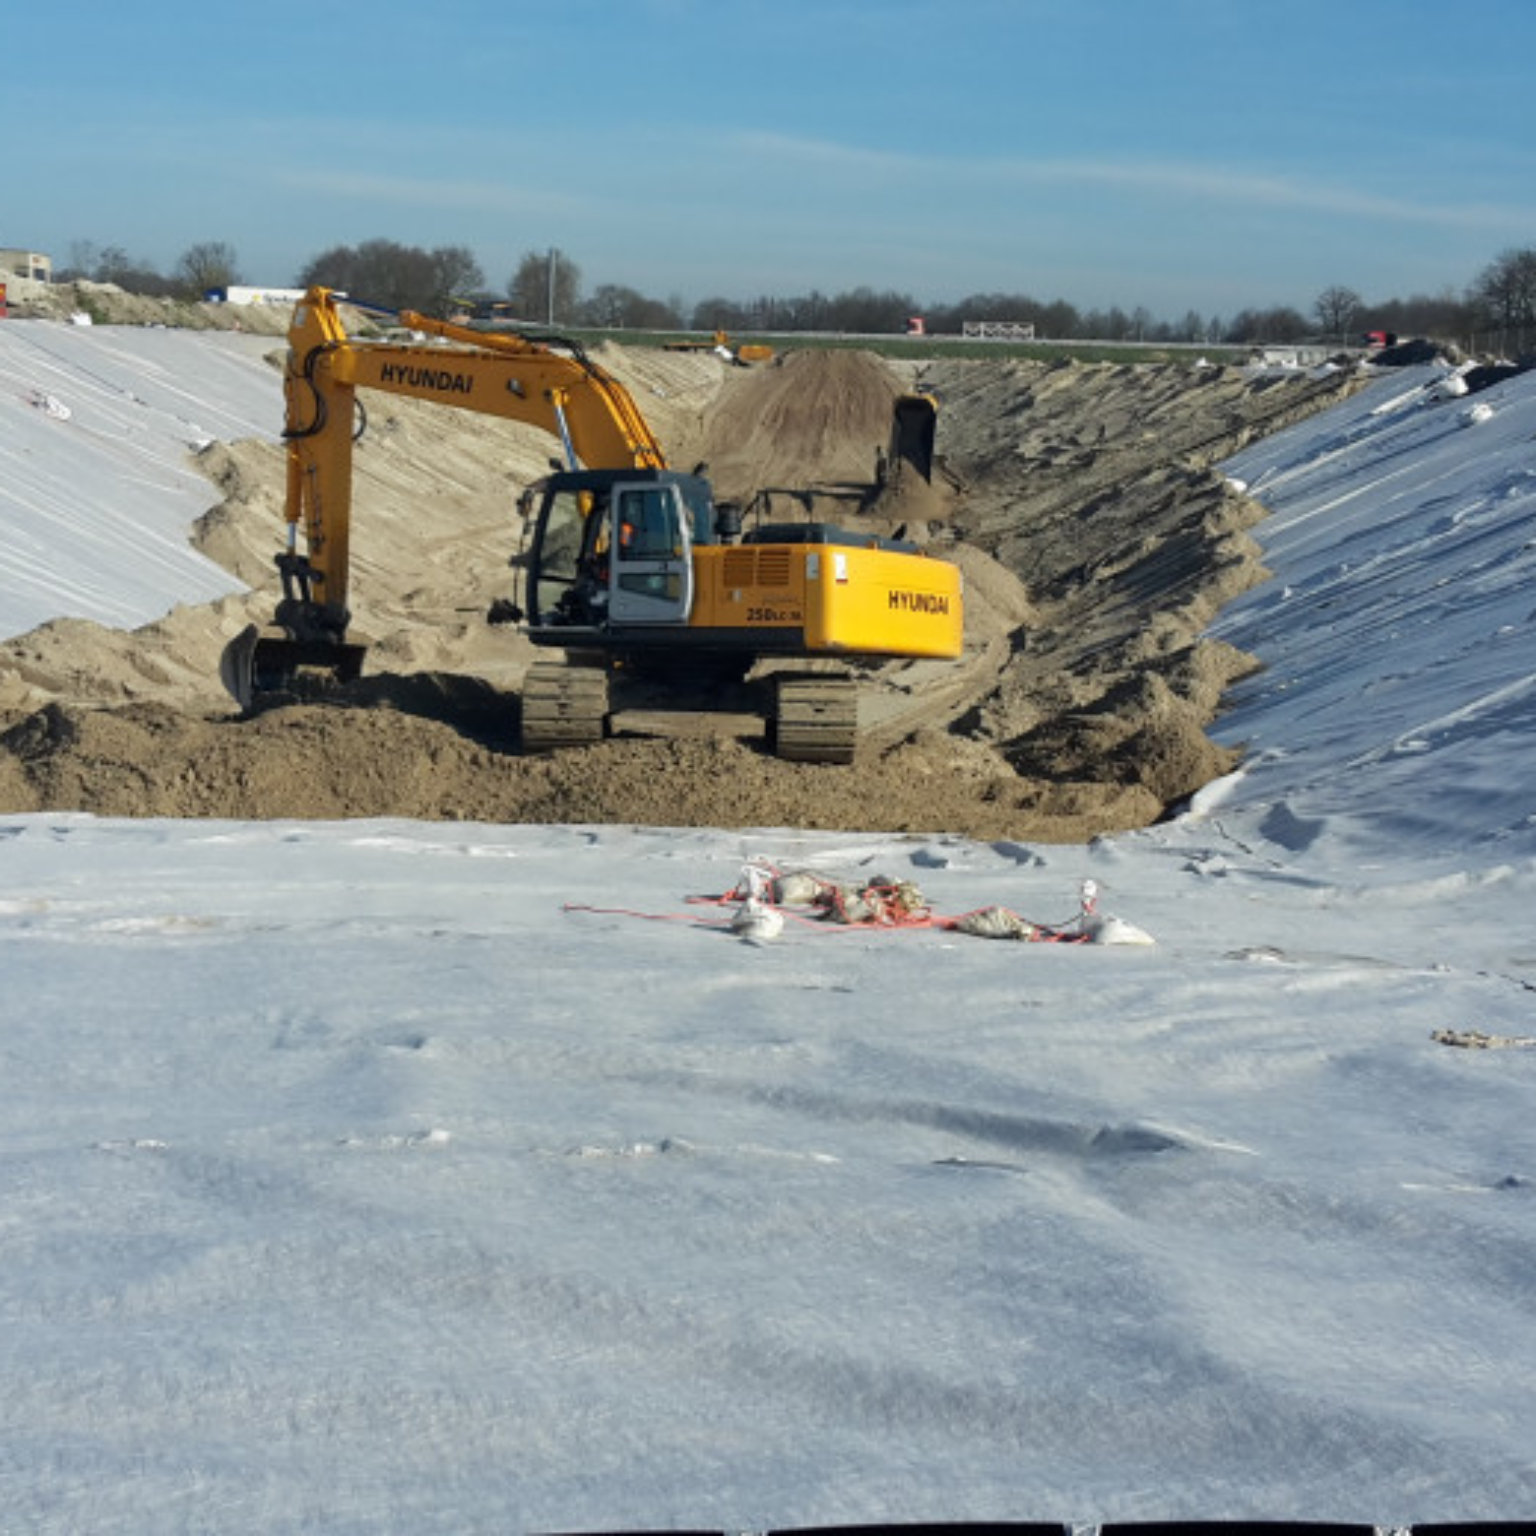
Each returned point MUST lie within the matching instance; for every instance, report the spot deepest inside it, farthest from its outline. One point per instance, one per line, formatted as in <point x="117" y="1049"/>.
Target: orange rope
<point x="889" y="916"/>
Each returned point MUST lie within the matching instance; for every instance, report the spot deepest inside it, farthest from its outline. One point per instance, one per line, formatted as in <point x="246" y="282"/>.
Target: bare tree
<point x="1504" y="292"/>
<point x="82" y="261"/>
<point x="546" y="286"/>
<point x="717" y="314"/>
<point x="1336" y="309"/>
<point x="211" y="264"/>
<point x="395" y="276"/>
<point x="1191" y="327"/>
<point x="455" y="271"/>
<point x="864" y="312"/>
<point x="130" y="273"/>
<point x="612" y="304"/>
<point x="1255" y="326"/>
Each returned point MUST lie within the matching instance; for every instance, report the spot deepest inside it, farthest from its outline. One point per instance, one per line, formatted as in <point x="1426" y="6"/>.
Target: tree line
<point x="1496" y="311"/>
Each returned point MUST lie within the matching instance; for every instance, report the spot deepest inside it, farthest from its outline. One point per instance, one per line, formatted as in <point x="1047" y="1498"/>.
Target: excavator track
<point x="816" y="719"/>
<point x="563" y="706"/>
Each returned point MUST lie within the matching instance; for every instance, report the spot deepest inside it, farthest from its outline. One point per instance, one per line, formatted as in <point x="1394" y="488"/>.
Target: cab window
<point x="648" y="523"/>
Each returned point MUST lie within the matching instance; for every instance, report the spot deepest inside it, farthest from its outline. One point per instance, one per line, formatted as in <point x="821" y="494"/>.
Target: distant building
<point x="31" y="264"/>
<point x="243" y="295"/>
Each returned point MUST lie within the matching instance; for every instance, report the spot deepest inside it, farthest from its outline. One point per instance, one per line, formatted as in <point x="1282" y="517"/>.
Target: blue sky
<point x="1174" y="154"/>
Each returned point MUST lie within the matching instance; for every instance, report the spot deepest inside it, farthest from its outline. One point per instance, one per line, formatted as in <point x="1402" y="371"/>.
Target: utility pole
<point x="551" y="315"/>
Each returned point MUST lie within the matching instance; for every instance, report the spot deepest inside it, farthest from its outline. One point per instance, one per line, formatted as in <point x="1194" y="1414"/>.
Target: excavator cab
<point x="613" y="551"/>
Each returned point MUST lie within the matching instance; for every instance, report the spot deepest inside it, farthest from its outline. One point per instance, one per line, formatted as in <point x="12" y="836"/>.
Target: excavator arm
<point x="513" y="377"/>
<point x="569" y="396"/>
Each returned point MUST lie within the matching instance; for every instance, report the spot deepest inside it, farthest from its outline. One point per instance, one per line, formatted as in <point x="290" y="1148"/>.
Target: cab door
<point x="651" y="573"/>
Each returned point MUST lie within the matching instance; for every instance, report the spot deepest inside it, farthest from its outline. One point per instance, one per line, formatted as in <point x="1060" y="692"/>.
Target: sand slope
<point x="1096" y="540"/>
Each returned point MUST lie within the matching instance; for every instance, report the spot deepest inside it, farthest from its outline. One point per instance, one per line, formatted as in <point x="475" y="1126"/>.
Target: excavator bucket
<point x="914" y="422"/>
<point x="262" y="663"/>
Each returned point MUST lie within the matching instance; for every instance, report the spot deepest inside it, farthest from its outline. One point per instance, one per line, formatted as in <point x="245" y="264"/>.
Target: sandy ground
<point x="1097" y="542"/>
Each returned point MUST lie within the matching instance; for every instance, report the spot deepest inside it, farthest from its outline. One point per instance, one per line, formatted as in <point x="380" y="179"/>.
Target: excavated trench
<point x="1096" y="540"/>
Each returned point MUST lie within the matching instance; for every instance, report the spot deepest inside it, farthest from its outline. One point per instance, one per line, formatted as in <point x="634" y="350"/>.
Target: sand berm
<point x="1082" y="501"/>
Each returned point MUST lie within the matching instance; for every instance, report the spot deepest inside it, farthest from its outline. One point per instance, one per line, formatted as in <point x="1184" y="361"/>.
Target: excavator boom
<point x="569" y="396"/>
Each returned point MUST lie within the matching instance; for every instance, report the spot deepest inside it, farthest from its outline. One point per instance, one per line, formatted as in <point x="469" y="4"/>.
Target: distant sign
<point x="999" y="330"/>
<point x="242" y="295"/>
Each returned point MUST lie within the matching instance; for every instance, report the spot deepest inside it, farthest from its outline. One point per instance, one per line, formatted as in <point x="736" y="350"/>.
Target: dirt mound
<point x="810" y="419"/>
<point x="445" y="749"/>
<point x="107" y="304"/>
<point x="1096" y="541"/>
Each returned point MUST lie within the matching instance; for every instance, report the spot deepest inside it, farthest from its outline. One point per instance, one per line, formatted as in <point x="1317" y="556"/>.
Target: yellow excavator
<point x="630" y="568"/>
<point x="742" y="353"/>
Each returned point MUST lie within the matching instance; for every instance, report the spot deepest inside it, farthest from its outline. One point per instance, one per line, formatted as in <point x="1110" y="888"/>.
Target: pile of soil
<point x="1097" y="543"/>
<point x="107" y="304"/>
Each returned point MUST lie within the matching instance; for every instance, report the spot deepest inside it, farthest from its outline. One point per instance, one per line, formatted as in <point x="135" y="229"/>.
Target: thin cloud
<point x="1208" y="183"/>
<point x="413" y="192"/>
